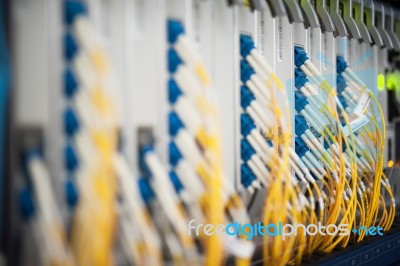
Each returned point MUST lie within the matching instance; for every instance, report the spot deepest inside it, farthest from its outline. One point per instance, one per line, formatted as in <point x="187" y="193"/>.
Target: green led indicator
<point x="381" y="82"/>
<point x="393" y="81"/>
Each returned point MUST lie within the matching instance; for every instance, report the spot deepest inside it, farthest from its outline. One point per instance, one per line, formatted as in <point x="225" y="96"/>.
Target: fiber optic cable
<point x="187" y="145"/>
<point x="166" y="232"/>
<point x="189" y="177"/>
<point x="183" y="45"/>
<point x="250" y="158"/>
<point x="165" y="193"/>
<point x="303" y="131"/>
<point x="136" y="209"/>
<point x="257" y="141"/>
<point x="47" y="220"/>
<point x="265" y="152"/>
<point x="254" y="109"/>
<point x="256" y="60"/>
<point x="192" y="190"/>
<point x="247" y="178"/>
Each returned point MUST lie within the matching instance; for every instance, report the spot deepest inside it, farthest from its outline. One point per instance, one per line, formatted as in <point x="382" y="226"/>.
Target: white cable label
<point x="362" y="104"/>
<point x="356" y="124"/>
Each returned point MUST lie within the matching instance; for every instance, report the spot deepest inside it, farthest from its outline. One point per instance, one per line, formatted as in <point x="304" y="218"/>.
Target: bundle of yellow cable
<point x="371" y="148"/>
<point x="339" y="182"/>
<point x="94" y="219"/>
<point x="362" y="206"/>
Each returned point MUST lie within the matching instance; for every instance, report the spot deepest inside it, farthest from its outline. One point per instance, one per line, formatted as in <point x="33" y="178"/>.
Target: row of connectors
<point x="308" y="123"/>
<point x="76" y="116"/>
<point x="72" y="87"/>
<point x="257" y="120"/>
<point x="92" y="154"/>
<point x="183" y="120"/>
<point x="311" y="127"/>
<point x="254" y="146"/>
<point x="185" y="127"/>
<point x="186" y="121"/>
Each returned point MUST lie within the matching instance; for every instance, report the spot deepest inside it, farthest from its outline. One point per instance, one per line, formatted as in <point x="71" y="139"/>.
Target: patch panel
<point x="212" y="113"/>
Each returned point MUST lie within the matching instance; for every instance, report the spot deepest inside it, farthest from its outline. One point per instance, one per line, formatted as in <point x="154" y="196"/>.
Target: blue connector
<point x="301" y="125"/>
<point x="175" y="123"/>
<point x="72" y="9"/>
<point x="341" y="64"/>
<point x="341" y="83"/>
<point x="71" y="161"/>
<point x="299" y="142"/>
<point x="70" y="83"/>
<point x="300" y="101"/>
<point x="246" y="97"/>
<point x="246" y="45"/>
<point x="28" y="155"/>
<point x="328" y="143"/>
<point x="300" y="78"/>
<point x="71" y="193"/>
<point x="246" y="151"/>
<point x="300" y="95"/>
<point x="246" y="175"/>
<point x="300" y="147"/>
<point x="340" y="79"/>
<point x="300" y="56"/>
<point x="146" y="149"/>
<point x="246" y="124"/>
<point x="71" y="122"/>
<point x="173" y="60"/>
<point x="246" y="71"/>
<point x="70" y="46"/>
<point x="299" y="72"/>
<point x="143" y="151"/>
<point x="173" y="91"/>
<point x="26" y="203"/>
<point x="145" y="190"/>
<point x="174" y="28"/>
<point x="269" y="142"/>
<point x="301" y="150"/>
<point x="300" y="119"/>
<point x="175" y="181"/>
<point x="343" y="102"/>
<point x="175" y="154"/>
